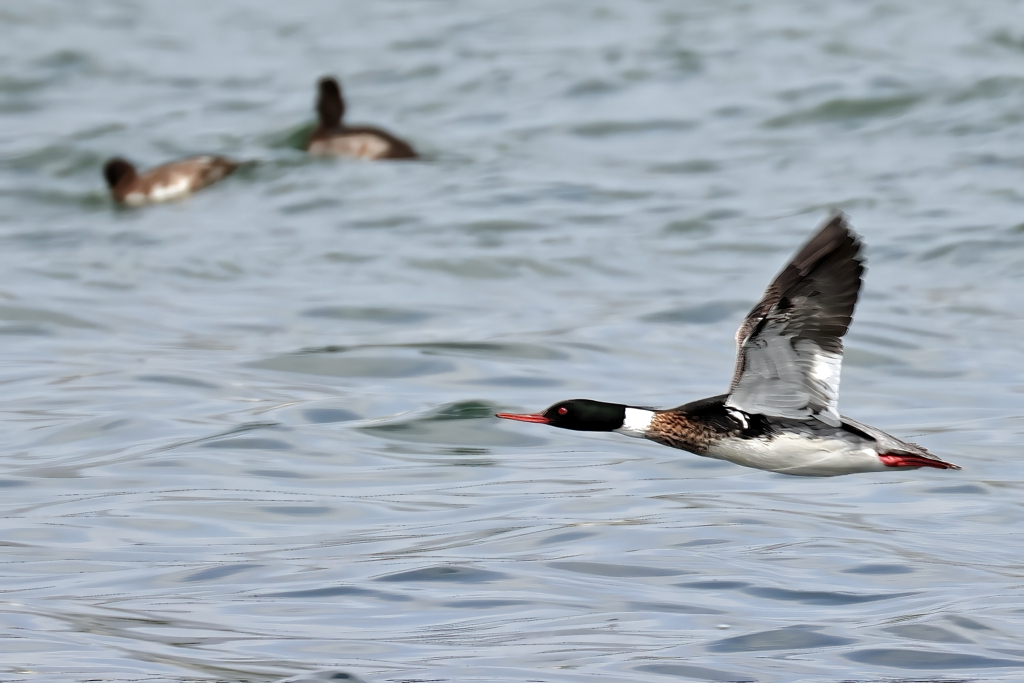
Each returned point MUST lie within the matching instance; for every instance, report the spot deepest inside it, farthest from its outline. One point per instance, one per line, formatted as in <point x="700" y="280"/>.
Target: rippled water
<point x="249" y="435"/>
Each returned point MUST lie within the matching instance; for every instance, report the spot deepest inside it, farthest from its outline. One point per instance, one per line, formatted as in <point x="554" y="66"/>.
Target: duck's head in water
<point x="579" y="414"/>
<point x="116" y="170"/>
<point x="330" y="106"/>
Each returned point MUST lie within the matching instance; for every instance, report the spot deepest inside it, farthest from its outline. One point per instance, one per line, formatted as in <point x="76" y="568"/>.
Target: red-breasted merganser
<point x="780" y="413"/>
<point x="174" y="180"/>
<point x="334" y="138"/>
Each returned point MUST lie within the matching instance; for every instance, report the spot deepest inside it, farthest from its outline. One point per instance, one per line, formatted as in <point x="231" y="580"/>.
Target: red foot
<point x="908" y="460"/>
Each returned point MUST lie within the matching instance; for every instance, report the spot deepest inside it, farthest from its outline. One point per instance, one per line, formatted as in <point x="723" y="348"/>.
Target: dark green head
<point x="580" y="414"/>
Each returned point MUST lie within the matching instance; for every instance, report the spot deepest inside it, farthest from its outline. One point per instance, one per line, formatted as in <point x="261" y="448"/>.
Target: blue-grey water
<point x="248" y="436"/>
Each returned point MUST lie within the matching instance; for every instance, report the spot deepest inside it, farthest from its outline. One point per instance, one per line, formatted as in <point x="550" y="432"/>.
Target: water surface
<point x="249" y="436"/>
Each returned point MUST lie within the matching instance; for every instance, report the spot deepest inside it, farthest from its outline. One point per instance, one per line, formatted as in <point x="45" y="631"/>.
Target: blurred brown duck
<point x="333" y="138"/>
<point x="174" y="180"/>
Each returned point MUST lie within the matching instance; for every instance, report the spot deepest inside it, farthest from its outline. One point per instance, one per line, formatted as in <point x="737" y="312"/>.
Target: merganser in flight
<point x="780" y="413"/>
<point x="333" y="138"/>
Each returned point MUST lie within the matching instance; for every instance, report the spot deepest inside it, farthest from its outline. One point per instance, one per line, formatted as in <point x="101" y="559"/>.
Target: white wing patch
<point x="637" y="422"/>
<point x="826" y="368"/>
<point x="788" y="379"/>
<point x="739" y="416"/>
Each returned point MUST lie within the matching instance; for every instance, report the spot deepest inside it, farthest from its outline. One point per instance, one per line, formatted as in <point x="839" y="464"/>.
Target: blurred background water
<point x="249" y="435"/>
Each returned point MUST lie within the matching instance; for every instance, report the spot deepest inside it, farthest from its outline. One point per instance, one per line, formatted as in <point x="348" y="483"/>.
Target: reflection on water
<point x="249" y="436"/>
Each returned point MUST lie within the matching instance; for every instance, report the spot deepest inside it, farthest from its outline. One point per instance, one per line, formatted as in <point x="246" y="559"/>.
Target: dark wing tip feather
<point x="835" y="239"/>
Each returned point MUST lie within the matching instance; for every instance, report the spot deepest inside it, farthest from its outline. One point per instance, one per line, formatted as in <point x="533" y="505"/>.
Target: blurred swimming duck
<point x="780" y="413"/>
<point x="333" y="138"/>
<point x="170" y="181"/>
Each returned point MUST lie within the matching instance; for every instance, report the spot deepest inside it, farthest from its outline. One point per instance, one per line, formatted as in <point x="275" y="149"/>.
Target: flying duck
<point x="174" y="180"/>
<point x="780" y="413"/>
<point x="333" y="138"/>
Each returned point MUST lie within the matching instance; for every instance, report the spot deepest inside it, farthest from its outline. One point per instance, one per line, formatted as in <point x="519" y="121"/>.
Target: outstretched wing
<point x="790" y="348"/>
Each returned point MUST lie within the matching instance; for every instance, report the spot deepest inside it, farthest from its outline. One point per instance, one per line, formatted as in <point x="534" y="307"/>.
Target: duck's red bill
<point x="528" y="417"/>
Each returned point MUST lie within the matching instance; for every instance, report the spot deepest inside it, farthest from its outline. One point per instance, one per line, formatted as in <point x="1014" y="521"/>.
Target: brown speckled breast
<point x="679" y="431"/>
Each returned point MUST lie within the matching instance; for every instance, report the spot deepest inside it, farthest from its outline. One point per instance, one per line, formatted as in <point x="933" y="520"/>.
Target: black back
<point x="713" y="413"/>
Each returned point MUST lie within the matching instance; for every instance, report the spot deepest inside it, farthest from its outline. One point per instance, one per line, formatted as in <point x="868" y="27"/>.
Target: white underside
<point x="799" y="455"/>
<point x="359" y="145"/>
<point x="179" y="186"/>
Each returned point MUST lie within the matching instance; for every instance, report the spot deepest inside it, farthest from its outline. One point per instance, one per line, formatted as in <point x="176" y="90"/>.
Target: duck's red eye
<point x="563" y="410"/>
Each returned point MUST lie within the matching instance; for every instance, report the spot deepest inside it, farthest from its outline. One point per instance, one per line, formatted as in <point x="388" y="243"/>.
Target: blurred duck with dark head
<point x="333" y="138"/>
<point x="174" y="180"/>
